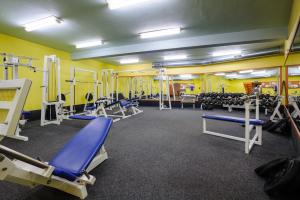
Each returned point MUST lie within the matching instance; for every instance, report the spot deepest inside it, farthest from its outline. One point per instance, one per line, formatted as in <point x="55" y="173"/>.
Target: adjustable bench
<point x="68" y="170"/>
<point x="130" y="105"/>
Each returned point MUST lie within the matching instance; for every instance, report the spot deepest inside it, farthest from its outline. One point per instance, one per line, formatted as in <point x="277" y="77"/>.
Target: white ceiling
<point x="91" y="19"/>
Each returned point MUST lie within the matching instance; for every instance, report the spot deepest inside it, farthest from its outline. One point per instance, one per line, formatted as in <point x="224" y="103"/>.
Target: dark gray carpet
<point x="159" y="155"/>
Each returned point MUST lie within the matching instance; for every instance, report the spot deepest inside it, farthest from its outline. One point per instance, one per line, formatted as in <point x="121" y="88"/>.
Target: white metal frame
<point x="24" y="170"/>
<point x="107" y="84"/>
<point x="249" y="142"/>
<point x="276" y="115"/>
<point x="73" y="82"/>
<point x="48" y="62"/>
<point x="14" y="62"/>
<point x="164" y="83"/>
<point x="191" y="99"/>
<point x="293" y="101"/>
<point x="10" y="127"/>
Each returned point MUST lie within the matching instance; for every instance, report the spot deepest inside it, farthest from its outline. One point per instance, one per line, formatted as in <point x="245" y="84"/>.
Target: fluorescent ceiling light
<point x="219" y="74"/>
<point x="160" y="33"/>
<point x="231" y="75"/>
<point x="115" y="4"/>
<point x="245" y="71"/>
<point x="226" y="53"/>
<point x="259" y="72"/>
<point x="42" y="23"/>
<point x="187" y="76"/>
<point x="175" y="57"/>
<point x="87" y="44"/>
<point x="129" y="61"/>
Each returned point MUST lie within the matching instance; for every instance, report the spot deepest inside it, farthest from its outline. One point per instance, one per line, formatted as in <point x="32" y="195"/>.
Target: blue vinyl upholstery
<point x="82" y="117"/>
<point x="125" y="103"/>
<point x="74" y="158"/>
<point x="91" y="108"/>
<point x="254" y="122"/>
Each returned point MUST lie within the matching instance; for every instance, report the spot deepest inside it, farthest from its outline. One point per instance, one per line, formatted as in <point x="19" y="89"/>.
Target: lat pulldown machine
<point x="51" y="94"/>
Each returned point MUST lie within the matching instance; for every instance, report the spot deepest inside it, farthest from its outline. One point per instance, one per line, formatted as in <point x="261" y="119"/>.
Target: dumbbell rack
<point x="230" y="107"/>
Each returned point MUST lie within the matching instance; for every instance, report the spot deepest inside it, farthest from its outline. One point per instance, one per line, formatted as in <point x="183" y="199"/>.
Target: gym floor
<point x="159" y="155"/>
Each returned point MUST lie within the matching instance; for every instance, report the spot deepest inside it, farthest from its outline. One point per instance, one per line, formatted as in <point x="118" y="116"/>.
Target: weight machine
<point x="89" y="96"/>
<point x="107" y="79"/>
<point x="164" y="89"/>
<point x="51" y="92"/>
<point x="11" y="64"/>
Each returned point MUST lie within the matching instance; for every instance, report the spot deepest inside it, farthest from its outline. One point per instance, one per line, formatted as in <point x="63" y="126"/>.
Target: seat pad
<point x="74" y="158"/>
<point x="255" y="122"/>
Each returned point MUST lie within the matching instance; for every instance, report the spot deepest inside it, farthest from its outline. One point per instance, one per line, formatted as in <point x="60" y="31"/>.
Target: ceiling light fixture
<point x="129" y="61"/>
<point x="87" y="44"/>
<point x="226" y="53"/>
<point x="115" y="4"/>
<point x="219" y="74"/>
<point x="175" y="57"/>
<point x="245" y="71"/>
<point x="259" y="72"/>
<point x="160" y="33"/>
<point x="42" y="23"/>
<point x="231" y="75"/>
<point x="186" y="76"/>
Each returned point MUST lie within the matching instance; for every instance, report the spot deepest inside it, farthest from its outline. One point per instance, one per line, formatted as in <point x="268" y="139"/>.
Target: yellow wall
<point x="294" y="90"/>
<point x="12" y="45"/>
<point x="230" y="85"/>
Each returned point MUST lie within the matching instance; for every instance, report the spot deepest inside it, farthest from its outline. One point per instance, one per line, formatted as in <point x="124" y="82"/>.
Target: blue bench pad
<point x="126" y="104"/>
<point x="74" y="158"/>
<point x="234" y="119"/>
<point x="91" y="107"/>
<point x="82" y="117"/>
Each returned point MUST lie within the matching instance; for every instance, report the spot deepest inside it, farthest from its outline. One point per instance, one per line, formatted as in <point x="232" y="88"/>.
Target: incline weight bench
<point x="11" y="108"/>
<point x="250" y="124"/>
<point x="68" y="170"/>
<point x="130" y="105"/>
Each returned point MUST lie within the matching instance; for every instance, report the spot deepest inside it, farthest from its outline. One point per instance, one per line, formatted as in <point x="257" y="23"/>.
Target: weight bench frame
<point x="249" y="142"/>
<point x="18" y="168"/>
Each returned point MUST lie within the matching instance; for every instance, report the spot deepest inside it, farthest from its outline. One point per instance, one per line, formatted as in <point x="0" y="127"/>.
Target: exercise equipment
<point x="13" y="106"/>
<point x="276" y="115"/>
<point x="250" y="124"/>
<point x="51" y="92"/>
<point x="11" y="64"/>
<point x="107" y="88"/>
<point x="188" y="99"/>
<point x="164" y="89"/>
<point x="90" y="96"/>
<point x="68" y="169"/>
<point x="294" y="101"/>
<point x="282" y="177"/>
<point x="235" y="100"/>
<point x="130" y="105"/>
